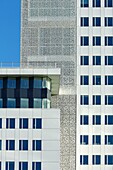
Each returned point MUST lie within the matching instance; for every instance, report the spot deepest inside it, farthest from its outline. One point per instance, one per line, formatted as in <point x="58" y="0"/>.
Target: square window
<point x="83" y="159"/>
<point x="23" y="165"/>
<point x="84" y="80"/>
<point x="96" y="100"/>
<point x="96" y="140"/>
<point x="96" y="60"/>
<point x="96" y="120"/>
<point x="24" y="103"/>
<point x="84" y="41"/>
<point x="84" y="60"/>
<point x="84" y="99"/>
<point x="96" y="21"/>
<point x="36" y="145"/>
<point x="36" y="165"/>
<point x="24" y="83"/>
<point x="23" y="123"/>
<point x="97" y="80"/>
<point x="84" y="3"/>
<point x="84" y="139"/>
<point x="11" y="83"/>
<point x="108" y="3"/>
<point x="11" y="103"/>
<point x="84" y="119"/>
<point x="96" y="3"/>
<point x="10" y="165"/>
<point x="10" y="123"/>
<point x="108" y="60"/>
<point x="37" y="123"/>
<point x="96" y="41"/>
<point x="96" y="159"/>
<point x="23" y="145"/>
<point x="84" y="21"/>
<point x="10" y="144"/>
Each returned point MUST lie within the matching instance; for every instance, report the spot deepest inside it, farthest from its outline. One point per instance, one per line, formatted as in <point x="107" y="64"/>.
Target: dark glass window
<point x="96" y="41"/>
<point x="84" y="21"/>
<point x="0" y="166"/>
<point x="84" y="60"/>
<point x="108" y="41"/>
<point x="37" y="83"/>
<point x="1" y="103"/>
<point x="108" y="139"/>
<point x="96" y="21"/>
<point x="84" y="41"/>
<point x="108" y="99"/>
<point x="23" y="123"/>
<point x="108" y="3"/>
<point x="83" y="159"/>
<point x="96" y="140"/>
<point x="108" y="60"/>
<point x="96" y="120"/>
<point x="36" y="145"/>
<point x="0" y="144"/>
<point x="108" y="159"/>
<point x="108" y="80"/>
<point x="11" y="83"/>
<point x="36" y="165"/>
<point x="37" y="123"/>
<point x="11" y="103"/>
<point x="96" y="3"/>
<point x="96" y="159"/>
<point x="23" y="144"/>
<point x="10" y="166"/>
<point x="84" y="3"/>
<point x="1" y="83"/>
<point x="23" y="165"/>
<point x="84" y="119"/>
<point x="96" y="80"/>
<point x="96" y="100"/>
<point x="10" y="123"/>
<point x="24" y="83"/>
<point x="96" y="60"/>
<point x="108" y="21"/>
<point x="108" y="120"/>
<point x="0" y="123"/>
<point x="84" y="139"/>
<point x="10" y="144"/>
<point x="84" y="99"/>
<point x="84" y="80"/>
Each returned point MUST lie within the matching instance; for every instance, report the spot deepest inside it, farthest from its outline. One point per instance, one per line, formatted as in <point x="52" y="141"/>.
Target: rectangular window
<point x="24" y="103"/>
<point x="84" y="119"/>
<point x="96" y="119"/>
<point x="10" y="166"/>
<point x="11" y="83"/>
<point x="84" y="21"/>
<point x="37" y="83"/>
<point x="108" y="60"/>
<point x="96" y="21"/>
<point x="84" y="41"/>
<point x="84" y="80"/>
<point x="36" y="165"/>
<point x="0" y="166"/>
<point x="108" y="120"/>
<point x="96" y="3"/>
<point x="96" y="140"/>
<point x="108" y="41"/>
<point x="1" y="103"/>
<point x="108" y="80"/>
<point x="96" y="41"/>
<point x="108" y="3"/>
<point x="84" y="60"/>
<point x="108" y="159"/>
<point x="84" y="139"/>
<point x="24" y="83"/>
<point x="1" y="83"/>
<point x="23" y="165"/>
<point x="108" y="139"/>
<point x="84" y="99"/>
<point x="96" y="159"/>
<point x="0" y="144"/>
<point x="11" y="103"/>
<point x="37" y="123"/>
<point x="83" y="159"/>
<point x="23" y="145"/>
<point x="23" y="123"/>
<point x="85" y="3"/>
<point x="10" y="123"/>
<point x="96" y="100"/>
<point x="96" y="60"/>
<point x="108" y="99"/>
<point x="37" y="103"/>
<point x="36" y="145"/>
<point x="97" y="80"/>
<point x="0" y="123"/>
<point x="10" y="144"/>
<point x="108" y="21"/>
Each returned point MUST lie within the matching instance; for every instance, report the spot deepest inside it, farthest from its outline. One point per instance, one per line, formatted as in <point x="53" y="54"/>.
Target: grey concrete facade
<point x="48" y="39"/>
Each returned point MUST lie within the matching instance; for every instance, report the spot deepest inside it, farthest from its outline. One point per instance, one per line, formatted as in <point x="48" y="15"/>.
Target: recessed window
<point x="96" y="41"/>
<point x="36" y="165"/>
<point x="10" y="123"/>
<point x="84" y="99"/>
<point x="108" y="60"/>
<point x="37" y="123"/>
<point x="24" y="103"/>
<point x="0" y="123"/>
<point x="108" y="3"/>
<point x="96" y="100"/>
<point x="108" y="159"/>
<point x="108" y="139"/>
<point x="11" y="103"/>
<point x="84" y="80"/>
<point x="1" y="83"/>
<point x="108" y="80"/>
<point x="23" y="144"/>
<point x="108" y="21"/>
<point x="36" y="145"/>
<point x="96" y="21"/>
<point x="84" y="60"/>
<point x="83" y="159"/>
<point x="108" y="99"/>
<point x="1" y="103"/>
<point x="10" y="144"/>
<point x="84" y="3"/>
<point x="108" y="41"/>
<point x="23" y="165"/>
<point x="0" y="144"/>
<point x="23" y="123"/>
<point x="84" y="139"/>
<point x="37" y="103"/>
<point x="11" y="83"/>
<point x="84" y="21"/>
<point x="84" y="41"/>
<point x="84" y="119"/>
<point x="96" y="120"/>
<point x="96" y="140"/>
<point x="108" y="120"/>
<point x="96" y="159"/>
<point x="10" y="166"/>
<point x="97" y="80"/>
<point x="37" y="83"/>
<point x="96" y="60"/>
<point x="24" y="83"/>
<point x="96" y="3"/>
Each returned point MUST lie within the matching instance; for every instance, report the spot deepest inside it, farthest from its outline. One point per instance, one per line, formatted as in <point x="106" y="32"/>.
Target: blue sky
<point x="10" y="30"/>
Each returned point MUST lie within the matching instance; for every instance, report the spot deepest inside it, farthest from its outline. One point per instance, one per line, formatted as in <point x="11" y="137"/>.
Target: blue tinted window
<point x="96" y="100"/>
<point x="10" y="144"/>
<point x="108" y="41"/>
<point x="96" y="3"/>
<point x="1" y="83"/>
<point x="108" y="80"/>
<point x="0" y="123"/>
<point x="37" y="83"/>
<point x="108" y="3"/>
<point x="108" y="100"/>
<point x="96" y="159"/>
<point x="84" y="120"/>
<point x="23" y="165"/>
<point x="96" y="119"/>
<point x="11" y="83"/>
<point x="84" y="21"/>
<point x="37" y="123"/>
<point x="24" y="83"/>
<point x="96" y="60"/>
<point x="10" y="123"/>
<point x="108" y="60"/>
<point x="84" y="3"/>
<point x="10" y="166"/>
<point x="36" y="145"/>
<point x="84" y="99"/>
<point x="83" y="159"/>
<point x="11" y="103"/>
<point x="84" y="41"/>
<point x="23" y="123"/>
<point x="96" y="140"/>
<point x="0" y="144"/>
<point x="36" y="165"/>
<point x="108" y="159"/>
<point x="109" y="139"/>
<point x="84" y="80"/>
<point x="97" y="21"/>
<point x="1" y="103"/>
<point x="108" y="120"/>
<point x="96" y="41"/>
<point x="23" y="144"/>
<point x="84" y="60"/>
<point x="96" y="80"/>
<point x="84" y="139"/>
<point x="109" y="21"/>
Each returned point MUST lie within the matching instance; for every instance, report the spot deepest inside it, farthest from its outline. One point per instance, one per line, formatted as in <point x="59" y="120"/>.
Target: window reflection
<point x="37" y="83"/>
<point x="24" y="83"/>
<point x="11" y="103"/>
<point x="24" y="103"/>
<point x="11" y="83"/>
<point x="37" y="103"/>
